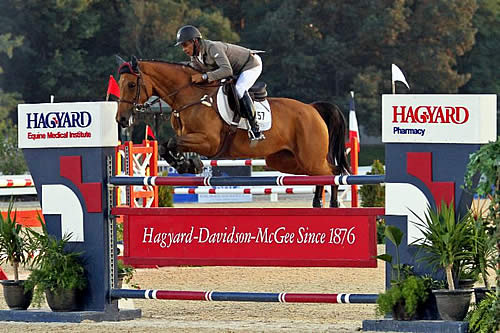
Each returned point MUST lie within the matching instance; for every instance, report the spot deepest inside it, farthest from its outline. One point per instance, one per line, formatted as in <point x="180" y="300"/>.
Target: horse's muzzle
<point x="125" y="121"/>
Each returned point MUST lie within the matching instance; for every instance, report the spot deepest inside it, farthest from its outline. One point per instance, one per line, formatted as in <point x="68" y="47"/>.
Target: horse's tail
<point x="336" y="124"/>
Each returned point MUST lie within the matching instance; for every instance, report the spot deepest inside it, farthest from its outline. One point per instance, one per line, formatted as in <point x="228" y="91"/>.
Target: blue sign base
<point x="68" y="317"/>
<point x="422" y="326"/>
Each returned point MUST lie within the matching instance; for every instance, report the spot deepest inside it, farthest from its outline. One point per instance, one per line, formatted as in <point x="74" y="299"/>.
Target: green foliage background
<point x="315" y="50"/>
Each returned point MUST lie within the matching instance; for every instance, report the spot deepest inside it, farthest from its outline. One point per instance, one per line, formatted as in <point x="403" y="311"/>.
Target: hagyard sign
<point x="67" y="125"/>
<point x="245" y="237"/>
<point x="439" y="118"/>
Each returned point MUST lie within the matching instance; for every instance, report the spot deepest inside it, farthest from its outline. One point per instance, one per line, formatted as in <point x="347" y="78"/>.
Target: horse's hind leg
<point x="333" y="196"/>
<point x="318" y="197"/>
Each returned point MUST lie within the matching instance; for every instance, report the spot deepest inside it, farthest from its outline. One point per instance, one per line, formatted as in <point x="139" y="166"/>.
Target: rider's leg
<point x="245" y="82"/>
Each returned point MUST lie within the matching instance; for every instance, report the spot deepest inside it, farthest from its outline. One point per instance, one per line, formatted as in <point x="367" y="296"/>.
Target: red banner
<point x="338" y="237"/>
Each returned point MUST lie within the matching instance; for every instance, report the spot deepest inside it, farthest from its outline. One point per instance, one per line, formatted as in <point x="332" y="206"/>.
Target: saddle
<point x="258" y="93"/>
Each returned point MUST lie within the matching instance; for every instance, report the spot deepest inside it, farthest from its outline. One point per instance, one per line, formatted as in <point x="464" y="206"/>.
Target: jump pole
<point x="232" y="296"/>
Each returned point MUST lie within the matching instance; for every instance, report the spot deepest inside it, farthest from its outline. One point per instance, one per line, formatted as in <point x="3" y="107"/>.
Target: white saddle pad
<point x="262" y="109"/>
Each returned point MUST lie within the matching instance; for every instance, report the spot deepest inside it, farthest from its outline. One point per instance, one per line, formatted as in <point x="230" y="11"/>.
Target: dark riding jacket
<point x="220" y="60"/>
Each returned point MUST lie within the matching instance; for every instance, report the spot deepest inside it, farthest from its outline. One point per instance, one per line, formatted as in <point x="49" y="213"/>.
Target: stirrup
<point x="255" y="137"/>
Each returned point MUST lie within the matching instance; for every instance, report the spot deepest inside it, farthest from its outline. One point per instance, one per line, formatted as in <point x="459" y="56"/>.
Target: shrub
<point x="165" y="195"/>
<point x="373" y="195"/>
<point x="484" y="317"/>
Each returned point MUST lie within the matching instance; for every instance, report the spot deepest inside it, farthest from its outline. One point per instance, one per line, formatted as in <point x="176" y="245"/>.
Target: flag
<point x="149" y="133"/>
<point x="113" y="88"/>
<point x="397" y="75"/>
<point x="353" y="122"/>
<point x="3" y="276"/>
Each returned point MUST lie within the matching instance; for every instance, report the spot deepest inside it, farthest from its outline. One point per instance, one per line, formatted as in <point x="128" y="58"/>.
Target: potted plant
<point x="483" y="253"/>
<point x="125" y="273"/>
<point x="482" y="177"/>
<point x="446" y="245"/>
<point x="408" y="292"/>
<point x="56" y="272"/>
<point x="484" y="317"/>
<point x="14" y="248"/>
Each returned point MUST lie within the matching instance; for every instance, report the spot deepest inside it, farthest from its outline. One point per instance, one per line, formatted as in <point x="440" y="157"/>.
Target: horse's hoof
<point x="183" y="167"/>
<point x="195" y="165"/>
<point x="334" y="204"/>
<point x="162" y="151"/>
<point x="317" y="204"/>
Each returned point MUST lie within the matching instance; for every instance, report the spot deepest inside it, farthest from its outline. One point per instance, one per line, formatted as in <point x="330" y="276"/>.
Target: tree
<point x="482" y="61"/>
<point x="11" y="158"/>
<point x="65" y="49"/>
<point x="151" y="27"/>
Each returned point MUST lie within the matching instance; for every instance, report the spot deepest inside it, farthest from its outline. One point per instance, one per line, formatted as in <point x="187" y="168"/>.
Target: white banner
<point x="56" y="125"/>
<point x="439" y="118"/>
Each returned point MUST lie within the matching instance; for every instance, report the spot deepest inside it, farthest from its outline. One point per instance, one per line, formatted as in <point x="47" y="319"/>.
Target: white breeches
<point x="247" y="78"/>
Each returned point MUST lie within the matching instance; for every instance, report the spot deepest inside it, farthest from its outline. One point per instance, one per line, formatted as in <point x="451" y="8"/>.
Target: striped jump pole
<point x="16" y="182"/>
<point x="232" y="296"/>
<point x="249" y="181"/>
<point x="247" y="190"/>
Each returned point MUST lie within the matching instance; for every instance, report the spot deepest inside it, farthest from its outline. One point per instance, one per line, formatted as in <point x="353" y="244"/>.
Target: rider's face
<point x="188" y="47"/>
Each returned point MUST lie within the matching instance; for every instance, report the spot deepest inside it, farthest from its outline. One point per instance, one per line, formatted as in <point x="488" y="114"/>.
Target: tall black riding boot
<point x="248" y="111"/>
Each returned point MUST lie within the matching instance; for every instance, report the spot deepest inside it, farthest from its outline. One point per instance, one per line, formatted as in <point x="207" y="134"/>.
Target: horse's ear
<point x="133" y="62"/>
<point x="119" y="59"/>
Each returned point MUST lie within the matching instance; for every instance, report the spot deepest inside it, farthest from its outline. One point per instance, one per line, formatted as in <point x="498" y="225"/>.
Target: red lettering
<point x="456" y="119"/>
<point x="439" y="115"/>
<point x="450" y="111"/>
<point x="410" y="115"/>
<point x="422" y="117"/>
<point x="396" y="114"/>
<point x="430" y="114"/>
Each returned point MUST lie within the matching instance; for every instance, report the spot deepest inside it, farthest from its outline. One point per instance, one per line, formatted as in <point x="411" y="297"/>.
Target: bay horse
<point x="304" y="138"/>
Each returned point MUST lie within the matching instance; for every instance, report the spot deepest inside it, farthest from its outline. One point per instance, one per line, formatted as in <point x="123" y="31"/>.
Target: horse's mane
<point x="183" y="64"/>
<point x="127" y="67"/>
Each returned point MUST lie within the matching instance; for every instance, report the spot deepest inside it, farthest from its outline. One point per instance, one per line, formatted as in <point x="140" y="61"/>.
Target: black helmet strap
<point x="196" y="46"/>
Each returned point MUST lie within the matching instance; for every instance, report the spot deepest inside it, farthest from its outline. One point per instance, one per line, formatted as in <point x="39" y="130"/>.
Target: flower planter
<point x="453" y="304"/>
<point x="480" y="293"/>
<point x="61" y="300"/>
<point x="428" y="310"/>
<point x="119" y="282"/>
<point x="399" y="312"/>
<point x="14" y="295"/>
<point x="466" y="284"/>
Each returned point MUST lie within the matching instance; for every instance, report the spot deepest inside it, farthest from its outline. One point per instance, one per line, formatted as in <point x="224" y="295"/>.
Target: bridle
<point x="137" y="107"/>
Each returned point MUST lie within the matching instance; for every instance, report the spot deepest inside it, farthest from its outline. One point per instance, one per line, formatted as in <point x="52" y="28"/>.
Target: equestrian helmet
<point x="186" y="33"/>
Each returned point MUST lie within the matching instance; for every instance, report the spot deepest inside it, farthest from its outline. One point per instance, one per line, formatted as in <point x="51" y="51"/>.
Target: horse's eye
<point x="131" y="85"/>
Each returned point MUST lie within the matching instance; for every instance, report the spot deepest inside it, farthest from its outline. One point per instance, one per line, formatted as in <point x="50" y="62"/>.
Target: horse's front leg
<point x="173" y="155"/>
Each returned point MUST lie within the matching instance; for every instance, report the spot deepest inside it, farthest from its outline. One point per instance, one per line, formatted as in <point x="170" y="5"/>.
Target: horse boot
<point x="248" y="111"/>
<point x="195" y="165"/>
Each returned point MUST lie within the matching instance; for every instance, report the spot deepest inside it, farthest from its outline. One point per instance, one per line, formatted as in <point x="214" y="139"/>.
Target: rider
<point x="218" y="60"/>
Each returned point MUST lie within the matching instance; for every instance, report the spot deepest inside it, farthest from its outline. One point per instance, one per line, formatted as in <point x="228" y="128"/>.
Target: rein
<point x="206" y="100"/>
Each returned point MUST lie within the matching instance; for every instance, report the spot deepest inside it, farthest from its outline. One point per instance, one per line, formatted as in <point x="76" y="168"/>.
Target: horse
<point x="304" y="138"/>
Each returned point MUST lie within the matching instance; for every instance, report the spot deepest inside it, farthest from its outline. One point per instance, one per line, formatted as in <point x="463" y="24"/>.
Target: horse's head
<point x="133" y="92"/>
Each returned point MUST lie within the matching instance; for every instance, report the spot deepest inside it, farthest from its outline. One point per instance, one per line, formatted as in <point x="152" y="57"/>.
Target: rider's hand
<point x="197" y="78"/>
